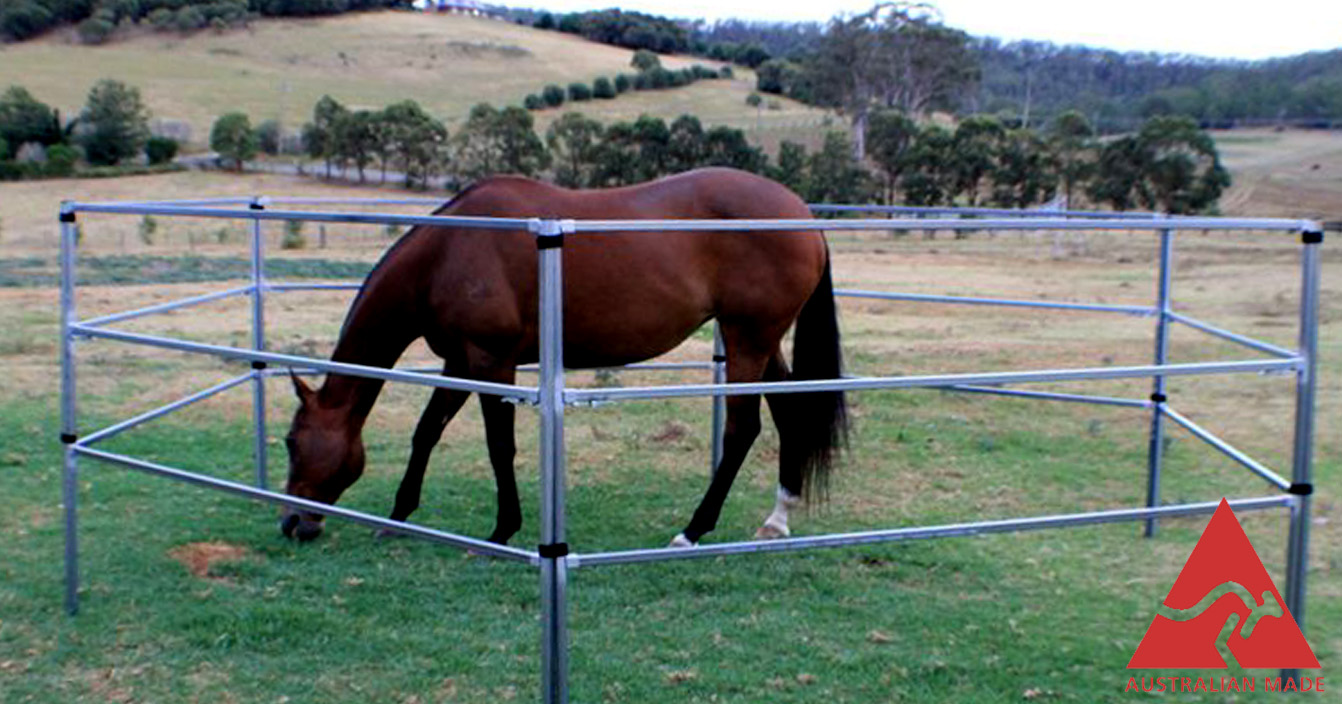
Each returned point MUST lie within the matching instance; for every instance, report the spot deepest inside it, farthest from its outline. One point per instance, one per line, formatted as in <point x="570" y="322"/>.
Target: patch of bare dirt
<point x="198" y="558"/>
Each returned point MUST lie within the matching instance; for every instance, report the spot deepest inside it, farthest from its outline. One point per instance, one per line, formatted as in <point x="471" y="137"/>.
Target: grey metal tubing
<point x="259" y="344"/>
<point x="1049" y="396"/>
<point x="975" y="300"/>
<point x="1155" y="451"/>
<point x="307" y="216"/>
<point x="638" y="367"/>
<point x="1266" y="224"/>
<point x="189" y="202"/>
<point x="327" y="286"/>
<point x="719" y="418"/>
<point x="1226" y="449"/>
<point x="436" y="536"/>
<point x="954" y="530"/>
<point x="1005" y="212"/>
<point x="930" y="381"/>
<point x="1224" y="334"/>
<point x="1297" y="554"/>
<point x="165" y="307"/>
<point x="554" y="567"/>
<point x="524" y="393"/>
<point x="123" y="426"/>
<point x="69" y="422"/>
<point x="299" y="200"/>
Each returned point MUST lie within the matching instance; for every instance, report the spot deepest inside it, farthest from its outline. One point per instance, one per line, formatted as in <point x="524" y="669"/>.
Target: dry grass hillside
<point x="280" y="68"/>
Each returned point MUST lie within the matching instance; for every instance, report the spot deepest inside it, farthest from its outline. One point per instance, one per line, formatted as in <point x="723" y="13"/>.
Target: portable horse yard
<point x="553" y="556"/>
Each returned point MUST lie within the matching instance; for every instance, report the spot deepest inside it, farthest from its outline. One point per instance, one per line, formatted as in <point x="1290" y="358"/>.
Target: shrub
<point x="61" y="160"/>
<point x="623" y="83"/>
<point x="268" y="137"/>
<point x="642" y="81"/>
<point x="533" y="102"/>
<point x="726" y="72"/>
<point x="98" y="28"/>
<point x="553" y="95"/>
<point x="659" y="78"/>
<point x="148" y="226"/>
<point x="160" y="150"/>
<point x="24" y="19"/>
<point x="754" y="100"/>
<point x="234" y="138"/>
<point x="579" y="92"/>
<point x="602" y="88"/>
<point x="293" y="236"/>
<point x="4" y="149"/>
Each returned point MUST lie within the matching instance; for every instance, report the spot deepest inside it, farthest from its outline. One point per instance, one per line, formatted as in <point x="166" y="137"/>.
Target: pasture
<point x="279" y="68"/>
<point x="207" y="603"/>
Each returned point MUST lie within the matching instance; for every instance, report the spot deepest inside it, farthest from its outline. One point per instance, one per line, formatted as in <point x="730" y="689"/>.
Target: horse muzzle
<point x="301" y="525"/>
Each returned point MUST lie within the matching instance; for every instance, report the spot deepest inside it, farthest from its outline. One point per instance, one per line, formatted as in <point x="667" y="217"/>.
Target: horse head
<point x="326" y="456"/>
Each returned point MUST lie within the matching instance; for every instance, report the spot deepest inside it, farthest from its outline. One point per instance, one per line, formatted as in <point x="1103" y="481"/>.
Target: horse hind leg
<point x="442" y="407"/>
<point x="782" y="407"/>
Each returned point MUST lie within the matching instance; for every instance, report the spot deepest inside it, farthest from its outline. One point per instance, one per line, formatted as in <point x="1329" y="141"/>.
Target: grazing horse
<point x="628" y="297"/>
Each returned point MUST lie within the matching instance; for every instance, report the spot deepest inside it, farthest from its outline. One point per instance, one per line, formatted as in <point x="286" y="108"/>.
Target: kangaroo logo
<point x="1211" y="609"/>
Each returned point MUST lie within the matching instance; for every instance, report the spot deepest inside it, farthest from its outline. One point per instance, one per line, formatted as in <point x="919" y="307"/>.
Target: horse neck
<point x="380" y="326"/>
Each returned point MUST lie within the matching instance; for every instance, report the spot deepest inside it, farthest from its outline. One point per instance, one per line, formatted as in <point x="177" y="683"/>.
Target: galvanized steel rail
<point x="553" y="557"/>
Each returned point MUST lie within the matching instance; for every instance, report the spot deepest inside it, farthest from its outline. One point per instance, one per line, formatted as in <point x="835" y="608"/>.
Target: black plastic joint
<point x="67" y="216"/>
<point x="258" y="365"/>
<point x="553" y="550"/>
<point x="1311" y="237"/>
<point x="69" y="438"/>
<point x="1301" y="489"/>
<point x="1159" y="398"/>
<point x="550" y="241"/>
<point x="720" y="358"/>
<point x="256" y="206"/>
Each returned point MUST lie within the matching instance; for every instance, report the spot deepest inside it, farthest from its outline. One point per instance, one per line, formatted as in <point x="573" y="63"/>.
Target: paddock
<point x="553" y="399"/>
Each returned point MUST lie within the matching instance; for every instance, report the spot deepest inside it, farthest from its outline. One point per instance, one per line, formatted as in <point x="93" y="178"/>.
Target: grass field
<point x="280" y="68"/>
<point x="207" y="603"/>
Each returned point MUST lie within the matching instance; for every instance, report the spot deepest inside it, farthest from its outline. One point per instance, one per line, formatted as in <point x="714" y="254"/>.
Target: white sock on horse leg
<point x="775" y="526"/>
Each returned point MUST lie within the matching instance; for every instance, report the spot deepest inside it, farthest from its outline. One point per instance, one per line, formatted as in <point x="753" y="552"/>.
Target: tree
<point x="1026" y="173"/>
<point x="115" y="123"/>
<point x="1169" y="165"/>
<point x="553" y="95"/>
<point x="623" y="82"/>
<point x="234" y="138"/>
<point x="685" y="144"/>
<point x="645" y="61"/>
<point x="499" y="141"/>
<point x="23" y="19"/>
<point x="791" y="168"/>
<point x="416" y="139"/>
<point x="833" y="175"/>
<point x="268" y="137"/>
<point x="617" y="157"/>
<point x="603" y="89"/>
<point x="575" y="144"/>
<point x="24" y="119"/>
<point x="728" y="146"/>
<point x="319" y="136"/>
<point x="158" y="150"/>
<point x="929" y="178"/>
<point x="890" y="137"/>
<point x="357" y="139"/>
<point x="976" y="150"/>
<point x="1071" y="139"/>
<point x="654" y="145"/>
<point x="578" y="92"/>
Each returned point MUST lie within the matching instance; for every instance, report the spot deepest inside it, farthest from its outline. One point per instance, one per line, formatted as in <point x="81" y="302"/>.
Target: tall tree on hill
<point x="1072" y="141"/>
<point x="25" y="119"/>
<point x="356" y="139"/>
<point x="929" y="178"/>
<point x="115" y="123"/>
<point x="575" y="142"/>
<point x="233" y="137"/>
<point x="890" y="138"/>
<point x="1169" y="165"/>
<point x="1026" y="174"/>
<point x="497" y="141"/>
<point x="978" y="145"/>
<point x="685" y="147"/>
<point x="416" y="140"/>
<point x="319" y="136"/>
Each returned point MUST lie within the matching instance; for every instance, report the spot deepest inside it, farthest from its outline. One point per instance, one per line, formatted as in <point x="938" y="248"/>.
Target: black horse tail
<point x="819" y="427"/>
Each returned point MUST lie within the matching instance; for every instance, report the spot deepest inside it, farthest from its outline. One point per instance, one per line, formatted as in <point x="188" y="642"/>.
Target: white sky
<point x="1218" y="28"/>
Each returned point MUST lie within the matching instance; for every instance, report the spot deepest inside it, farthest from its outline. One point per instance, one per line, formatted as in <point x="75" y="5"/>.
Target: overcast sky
<point x="1220" y="28"/>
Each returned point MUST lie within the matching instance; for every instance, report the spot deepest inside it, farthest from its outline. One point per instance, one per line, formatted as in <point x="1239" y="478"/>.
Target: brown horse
<point x="628" y="297"/>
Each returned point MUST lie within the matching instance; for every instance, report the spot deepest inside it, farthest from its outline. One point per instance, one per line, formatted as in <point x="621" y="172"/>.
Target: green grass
<point x="143" y="269"/>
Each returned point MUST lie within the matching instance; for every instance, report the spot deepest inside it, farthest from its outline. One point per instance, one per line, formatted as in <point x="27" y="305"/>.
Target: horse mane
<point x="398" y="244"/>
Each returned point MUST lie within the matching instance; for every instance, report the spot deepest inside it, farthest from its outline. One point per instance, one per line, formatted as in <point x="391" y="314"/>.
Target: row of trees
<point x="112" y="128"/>
<point x="651" y="76"/>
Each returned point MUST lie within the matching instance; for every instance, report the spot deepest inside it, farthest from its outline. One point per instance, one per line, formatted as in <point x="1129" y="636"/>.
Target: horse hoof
<point x="388" y="534"/>
<point x="771" y="531"/>
<point x="680" y="541"/>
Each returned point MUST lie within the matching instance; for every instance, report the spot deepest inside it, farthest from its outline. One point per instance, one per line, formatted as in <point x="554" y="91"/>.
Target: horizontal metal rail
<point x="1010" y="302"/>
<point x="640" y="366"/>
<point x="301" y="200"/>
<point x="307" y="216"/>
<point x="1050" y="396"/>
<point x="1035" y="223"/>
<point x="188" y="202"/>
<point x="165" y="307"/>
<point x="916" y="210"/>
<point x="931" y="381"/>
<point x="123" y="426"/>
<point x="954" y="530"/>
<point x="314" y="286"/>
<point x="1227" y="449"/>
<point x="1224" y="334"/>
<point x="434" y="536"/>
<point x="524" y="393"/>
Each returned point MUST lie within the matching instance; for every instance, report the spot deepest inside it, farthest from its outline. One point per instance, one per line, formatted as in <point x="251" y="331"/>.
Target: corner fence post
<point x="69" y="424"/>
<point x="1297" y="550"/>
<point x="553" y="550"/>
<point x="1155" y="458"/>
<point x="719" y="402"/>
<point x="259" y="344"/>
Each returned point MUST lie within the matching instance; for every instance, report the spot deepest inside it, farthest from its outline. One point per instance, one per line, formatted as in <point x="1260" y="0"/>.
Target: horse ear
<point x="304" y="392"/>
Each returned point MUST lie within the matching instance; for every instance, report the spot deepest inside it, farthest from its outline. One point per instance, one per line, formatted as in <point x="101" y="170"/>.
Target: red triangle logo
<point x="1223" y="594"/>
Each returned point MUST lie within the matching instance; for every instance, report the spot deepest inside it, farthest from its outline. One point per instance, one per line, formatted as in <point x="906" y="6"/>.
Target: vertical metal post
<point x="69" y="425"/>
<point x="553" y="549"/>
<point x="259" y="344"/>
<point x="1297" y="550"/>
<point x="719" y="402"/>
<point x="1156" y="452"/>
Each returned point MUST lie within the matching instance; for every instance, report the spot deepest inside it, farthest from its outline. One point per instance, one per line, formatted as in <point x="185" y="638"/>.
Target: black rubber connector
<point x="69" y="438"/>
<point x="67" y="217"/>
<point x="1300" y="489"/>
<point x="1311" y="237"/>
<point x="550" y="241"/>
<point x="258" y="365"/>
<point x="256" y="206"/>
<point x="1159" y="398"/>
<point x="553" y="550"/>
<point x="720" y="358"/>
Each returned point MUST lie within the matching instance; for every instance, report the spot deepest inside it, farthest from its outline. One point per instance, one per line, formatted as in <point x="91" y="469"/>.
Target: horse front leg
<point x="499" y="420"/>
<point x="443" y="406"/>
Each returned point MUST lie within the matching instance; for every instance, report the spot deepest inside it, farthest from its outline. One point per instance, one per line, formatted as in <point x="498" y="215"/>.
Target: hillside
<point x="278" y="68"/>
